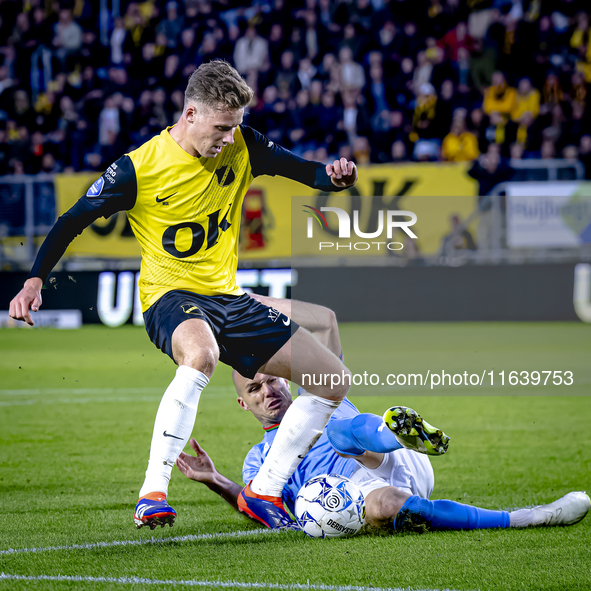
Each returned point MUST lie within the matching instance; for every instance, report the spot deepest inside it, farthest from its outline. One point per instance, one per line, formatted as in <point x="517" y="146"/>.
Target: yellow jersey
<point x="184" y="211"/>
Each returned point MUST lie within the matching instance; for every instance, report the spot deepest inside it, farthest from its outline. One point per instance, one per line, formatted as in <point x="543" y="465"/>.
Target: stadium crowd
<point x="81" y="82"/>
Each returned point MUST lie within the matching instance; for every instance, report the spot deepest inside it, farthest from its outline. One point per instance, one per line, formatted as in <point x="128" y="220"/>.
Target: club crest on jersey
<point x="225" y="175"/>
<point x="191" y="309"/>
<point x="274" y="314"/>
<point x="96" y="188"/>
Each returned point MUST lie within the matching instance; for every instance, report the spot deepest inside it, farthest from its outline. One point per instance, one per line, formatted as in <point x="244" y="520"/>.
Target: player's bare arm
<point x="200" y="468"/>
<point x="382" y="504"/>
<point x="27" y="299"/>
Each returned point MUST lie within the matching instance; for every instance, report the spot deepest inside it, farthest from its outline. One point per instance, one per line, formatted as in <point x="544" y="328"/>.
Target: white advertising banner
<point x="561" y="220"/>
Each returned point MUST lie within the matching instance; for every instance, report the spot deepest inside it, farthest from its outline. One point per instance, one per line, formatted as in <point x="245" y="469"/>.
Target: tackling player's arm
<point x="268" y="158"/>
<point x="114" y="191"/>
<point x="200" y="468"/>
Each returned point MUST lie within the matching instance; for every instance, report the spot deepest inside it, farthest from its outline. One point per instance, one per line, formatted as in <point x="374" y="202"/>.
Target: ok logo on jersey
<point x="198" y="235"/>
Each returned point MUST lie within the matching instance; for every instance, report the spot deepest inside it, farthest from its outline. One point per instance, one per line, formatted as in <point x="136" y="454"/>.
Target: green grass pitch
<point x="76" y="416"/>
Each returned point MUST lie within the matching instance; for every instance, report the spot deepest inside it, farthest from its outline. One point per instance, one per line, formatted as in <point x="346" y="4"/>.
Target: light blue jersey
<point x="321" y="459"/>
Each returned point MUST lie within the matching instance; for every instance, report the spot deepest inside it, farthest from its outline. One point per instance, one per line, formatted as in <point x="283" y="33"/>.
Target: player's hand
<point x="199" y="468"/>
<point x="342" y="173"/>
<point x="28" y="298"/>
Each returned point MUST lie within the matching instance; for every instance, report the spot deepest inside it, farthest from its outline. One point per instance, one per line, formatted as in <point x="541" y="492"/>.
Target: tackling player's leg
<point x="195" y="350"/>
<point x="389" y="507"/>
<point x="302" y="424"/>
<point x="401" y="427"/>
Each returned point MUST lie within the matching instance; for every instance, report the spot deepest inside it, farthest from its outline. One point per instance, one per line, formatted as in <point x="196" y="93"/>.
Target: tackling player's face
<point x="210" y="130"/>
<point x="267" y="397"/>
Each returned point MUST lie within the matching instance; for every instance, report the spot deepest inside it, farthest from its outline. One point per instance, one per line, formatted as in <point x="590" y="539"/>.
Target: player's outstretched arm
<point x="28" y="298"/>
<point x="200" y="468"/>
<point x="267" y="157"/>
<point x="112" y="192"/>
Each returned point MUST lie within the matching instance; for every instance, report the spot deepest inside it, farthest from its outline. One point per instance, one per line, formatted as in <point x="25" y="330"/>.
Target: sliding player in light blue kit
<point x="386" y="457"/>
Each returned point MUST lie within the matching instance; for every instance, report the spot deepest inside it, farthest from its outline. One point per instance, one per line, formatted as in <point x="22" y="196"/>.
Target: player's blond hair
<point x="219" y="86"/>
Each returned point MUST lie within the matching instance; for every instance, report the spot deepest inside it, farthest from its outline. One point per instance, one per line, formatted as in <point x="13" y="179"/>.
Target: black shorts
<point x="248" y="333"/>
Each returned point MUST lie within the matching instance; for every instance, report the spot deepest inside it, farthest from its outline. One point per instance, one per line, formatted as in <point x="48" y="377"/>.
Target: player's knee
<point x="203" y="359"/>
<point x="383" y="505"/>
<point x="344" y="384"/>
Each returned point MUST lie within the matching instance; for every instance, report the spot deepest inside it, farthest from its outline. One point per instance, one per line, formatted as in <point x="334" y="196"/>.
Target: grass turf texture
<point x="75" y="437"/>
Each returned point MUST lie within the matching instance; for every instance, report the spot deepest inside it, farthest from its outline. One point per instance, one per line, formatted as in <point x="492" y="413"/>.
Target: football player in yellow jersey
<point x="183" y="193"/>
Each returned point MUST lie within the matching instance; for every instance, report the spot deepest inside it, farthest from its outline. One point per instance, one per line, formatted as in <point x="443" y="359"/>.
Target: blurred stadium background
<point x="472" y="114"/>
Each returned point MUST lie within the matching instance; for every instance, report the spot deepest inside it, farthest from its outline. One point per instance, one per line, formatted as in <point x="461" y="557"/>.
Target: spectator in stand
<point x="552" y="93"/>
<point x="422" y="73"/>
<point x="142" y="116"/>
<point x="517" y="153"/>
<point x="584" y="155"/>
<point x="116" y="42"/>
<point x="402" y="84"/>
<point x="460" y="238"/>
<point x="424" y="129"/>
<point x="154" y="45"/>
<point x="389" y="41"/>
<point x="578" y="91"/>
<point x="275" y="116"/>
<point x="525" y="112"/>
<point x="378" y="94"/>
<point x="446" y="105"/>
<point x="570" y="153"/>
<point x="353" y="40"/>
<point x="316" y="88"/>
<point x="287" y="77"/>
<point x="499" y="97"/>
<point x="172" y="77"/>
<point x="306" y="72"/>
<point x="459" y="145"/>
<point x="324" y="68"/>
<point x="579" y="41"/>
<point x="67" y="38"/>
<point x="311" y="38"/>
<point x="456" y="39"/>
<point x="352" y="74"/>
<point x="477" y="126"/>
<point x="413" y="43"/>
<point x="488" y="171"/>
<point x="361" y="151"/>
<point x="172" y="26"/>
<point x="277" y="45"/>
<point x="209" y="50"/>
<point x="548" y="150"/>
<point x="331" y="133"/>
<point x="575" y="127"/>
<point x="22" y="112"/>
<point x="304" y="122"/>
<point x="187" y="52"/>
<point x="554" y="125"/>
<point x="399" y="152"/>
<point x="355" y="120"/>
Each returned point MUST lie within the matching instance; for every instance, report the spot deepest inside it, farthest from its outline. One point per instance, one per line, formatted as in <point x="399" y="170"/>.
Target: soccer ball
<point x="330" y="506"/>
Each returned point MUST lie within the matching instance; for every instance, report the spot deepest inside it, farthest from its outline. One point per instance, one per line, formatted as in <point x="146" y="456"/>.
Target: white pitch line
<point x="90" y="391"/>
<point x="187" y="538"/>
<point x="93" y="395"/>
<point x="193" y="583"/>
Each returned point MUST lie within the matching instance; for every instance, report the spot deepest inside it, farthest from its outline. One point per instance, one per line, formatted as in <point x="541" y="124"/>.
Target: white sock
<point x="173" y="426"/>
<point x="300" y="428"/>
<point x="521" y="518"/>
